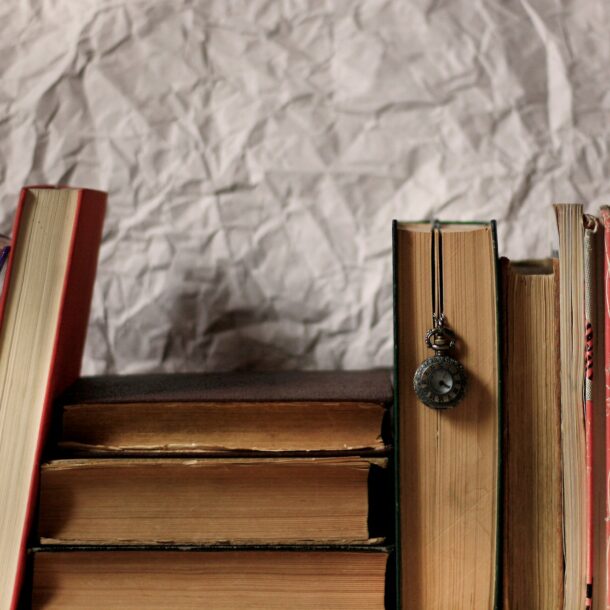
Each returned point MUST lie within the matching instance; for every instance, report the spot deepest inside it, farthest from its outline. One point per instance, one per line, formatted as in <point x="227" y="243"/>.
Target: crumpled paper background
<point x="256" y="152"/>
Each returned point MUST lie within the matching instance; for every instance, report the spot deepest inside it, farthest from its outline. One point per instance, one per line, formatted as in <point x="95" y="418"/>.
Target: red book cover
<point x="71" y="324"/>
<point x="590" y="224"/>
<point x="605" y="217"/>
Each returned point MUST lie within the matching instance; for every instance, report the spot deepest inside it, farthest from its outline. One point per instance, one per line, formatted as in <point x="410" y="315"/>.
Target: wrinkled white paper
<point x="256" y="152"/>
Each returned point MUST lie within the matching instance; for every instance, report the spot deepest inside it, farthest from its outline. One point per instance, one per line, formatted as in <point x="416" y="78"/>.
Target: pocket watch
<point x="440" y="380"/>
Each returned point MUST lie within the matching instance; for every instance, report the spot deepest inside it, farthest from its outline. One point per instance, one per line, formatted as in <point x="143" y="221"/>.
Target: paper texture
<point x="255" y="153"/>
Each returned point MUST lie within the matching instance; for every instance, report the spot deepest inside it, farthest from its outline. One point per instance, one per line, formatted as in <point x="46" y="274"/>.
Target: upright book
<point x="448" y="458"/>
<point x="603" y="503"/>
<point x="533" y="544"/>
<point x="572" y="342"/>
<point x="44" y="312"/>
<point x="583" y="321"/>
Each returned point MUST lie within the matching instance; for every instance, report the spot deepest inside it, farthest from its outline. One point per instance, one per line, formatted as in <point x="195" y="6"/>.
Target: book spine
<point x="589" y="264"/>
<point x="395" y="420"/>
<point x="605" y="216"/>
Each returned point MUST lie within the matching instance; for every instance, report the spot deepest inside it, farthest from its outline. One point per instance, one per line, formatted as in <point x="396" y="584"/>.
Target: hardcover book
<point x="239" y="413"/>
<point x="348" y="578"/>
<point x="583" y="321"/>
<point x="583" y="422"/>
<point x="44" y="312"/>
<point x="603" y="419"/>
<point x="533" y="495"/>
<point x="210" y="501"/>
<point x="448" y="459"/>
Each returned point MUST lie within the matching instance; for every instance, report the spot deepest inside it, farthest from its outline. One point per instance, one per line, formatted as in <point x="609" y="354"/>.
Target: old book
<point x="533" y="515"/>
<point x="602" y="422"/>
<point x="448" y="460"/>
<point x="583" y="324"/>
<point x="219" y="413"/>
<point x="596" y="376"/>
<point x="207" y="501"/>
<point x="44" y="312"/>
<point x="572" y="341"/>
<point x="342" y="579"/>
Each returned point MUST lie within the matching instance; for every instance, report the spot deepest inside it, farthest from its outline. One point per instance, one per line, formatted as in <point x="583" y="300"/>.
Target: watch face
<point x="440" y="382"/>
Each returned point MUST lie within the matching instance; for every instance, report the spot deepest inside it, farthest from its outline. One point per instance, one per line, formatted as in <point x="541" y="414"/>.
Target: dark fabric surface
<point x="365" y="385"/>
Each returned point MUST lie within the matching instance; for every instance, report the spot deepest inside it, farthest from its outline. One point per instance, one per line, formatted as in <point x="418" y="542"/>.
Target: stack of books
<point x="236" y="490"/>
<point x="231" y="490"/>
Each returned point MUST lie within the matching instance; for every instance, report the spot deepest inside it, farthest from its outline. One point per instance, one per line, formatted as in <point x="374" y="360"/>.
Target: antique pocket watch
<point x="440" y="380"/>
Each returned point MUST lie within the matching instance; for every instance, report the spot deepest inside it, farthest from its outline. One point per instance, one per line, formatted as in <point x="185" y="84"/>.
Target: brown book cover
<point x="310" y="412"/>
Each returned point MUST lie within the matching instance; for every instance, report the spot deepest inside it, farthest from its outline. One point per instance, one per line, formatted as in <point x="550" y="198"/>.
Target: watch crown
<point x="440" y="339"/>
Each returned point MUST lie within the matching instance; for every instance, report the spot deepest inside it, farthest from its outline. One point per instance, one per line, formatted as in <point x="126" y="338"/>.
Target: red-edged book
<point x="604" y="507"/>
<point x="44" y="310"/>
